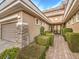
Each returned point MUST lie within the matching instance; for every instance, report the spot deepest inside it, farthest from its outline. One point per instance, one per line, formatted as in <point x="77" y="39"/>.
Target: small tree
<point x="42" y="30"/>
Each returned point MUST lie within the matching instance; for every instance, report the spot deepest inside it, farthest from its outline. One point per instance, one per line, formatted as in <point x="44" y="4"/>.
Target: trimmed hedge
<point x="11" y="53"/>
<point x="48" y="33"/>
<point x="45" y="40"/>
<point x="42" y="40"/>
<point x="73" y="41"/>
<point x="65" y="30"/>
<point x="33" y="51"/>
<point x="51" y="37"/>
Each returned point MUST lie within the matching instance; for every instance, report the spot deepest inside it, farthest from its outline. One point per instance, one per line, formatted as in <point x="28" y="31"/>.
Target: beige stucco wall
<point x="34" y="29"/>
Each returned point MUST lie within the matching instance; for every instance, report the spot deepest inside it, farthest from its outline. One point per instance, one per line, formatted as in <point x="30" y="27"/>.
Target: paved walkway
<point x="60" y="50"/>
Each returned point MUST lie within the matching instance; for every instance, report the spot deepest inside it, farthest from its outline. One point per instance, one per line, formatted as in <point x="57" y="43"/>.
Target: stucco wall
<point x="34" y="29"/>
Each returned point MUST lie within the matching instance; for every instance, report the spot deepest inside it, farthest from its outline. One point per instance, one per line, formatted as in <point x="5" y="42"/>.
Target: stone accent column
<point x="23" y="38"/>
<point x="23" y="34"/>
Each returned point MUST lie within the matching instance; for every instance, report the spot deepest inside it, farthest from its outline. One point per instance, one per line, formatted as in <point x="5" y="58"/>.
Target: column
<point x="23" y="38"/>
<point x="23" y="34"/>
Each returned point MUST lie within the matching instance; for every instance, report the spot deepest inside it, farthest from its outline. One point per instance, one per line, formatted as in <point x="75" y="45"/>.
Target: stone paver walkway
<point x="60" y="50"/>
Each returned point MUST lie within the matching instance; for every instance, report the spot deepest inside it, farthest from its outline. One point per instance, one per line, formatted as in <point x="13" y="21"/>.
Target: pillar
<point x="23" y="37"/>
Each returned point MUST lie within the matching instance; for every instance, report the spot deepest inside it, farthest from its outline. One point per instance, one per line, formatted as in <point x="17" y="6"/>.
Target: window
<point x="36" y="21"/>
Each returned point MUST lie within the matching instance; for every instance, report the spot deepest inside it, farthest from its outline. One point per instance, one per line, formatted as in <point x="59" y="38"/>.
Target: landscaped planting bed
<point x="9" y="53"/>
<point x="38" y="48"/>
<point x="73" y="41"/>
<point x="33" y="51"/>
<point x="43" y="40"/>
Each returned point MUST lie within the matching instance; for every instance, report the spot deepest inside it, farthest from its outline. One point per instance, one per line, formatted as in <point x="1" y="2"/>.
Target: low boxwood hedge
<point x="65" y="30"/>
<point x="42" y="40"/>
<point x="45" y="40"/>
<point x="51" y="37"/>
<point x="48" y="33"/>
<point x="73" y="41"/>
<point x="10" y="53"/>
<point x="33" y="51"/>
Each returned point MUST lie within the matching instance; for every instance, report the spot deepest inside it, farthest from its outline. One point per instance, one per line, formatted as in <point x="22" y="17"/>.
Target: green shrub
<point x="33" y="51"/>
<point x="42" y="40"/>
<point x="42" y="30"/>
<point x="45" y="40"/>
<point x="48" y="33"/>
<point x="12" y="53"/>
<point x="51" y="36"/>
<point x="73" y="41"/>
<point x="65" y="30"/>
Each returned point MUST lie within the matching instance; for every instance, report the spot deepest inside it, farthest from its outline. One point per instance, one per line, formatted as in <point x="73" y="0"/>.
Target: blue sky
<point x="46" y="4"/>
<point x="0" y="1"/>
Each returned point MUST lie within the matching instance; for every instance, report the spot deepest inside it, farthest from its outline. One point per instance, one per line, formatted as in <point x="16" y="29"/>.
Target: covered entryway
<point x="56" y="29"/>
<point x="9" y="32"/>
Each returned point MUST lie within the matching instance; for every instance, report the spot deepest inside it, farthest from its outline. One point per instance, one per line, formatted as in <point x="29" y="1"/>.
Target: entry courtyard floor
<point x="60" y="50"/>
